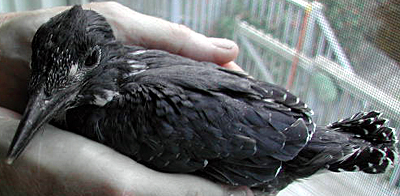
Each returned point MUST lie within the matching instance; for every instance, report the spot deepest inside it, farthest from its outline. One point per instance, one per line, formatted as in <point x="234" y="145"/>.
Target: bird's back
<point x="179" y="115"/>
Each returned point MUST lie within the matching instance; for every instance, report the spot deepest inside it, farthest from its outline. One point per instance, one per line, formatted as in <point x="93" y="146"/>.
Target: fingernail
<point x="236" y="193"/>
<point x="239" y="191"/>
<point x="222" y="43"/>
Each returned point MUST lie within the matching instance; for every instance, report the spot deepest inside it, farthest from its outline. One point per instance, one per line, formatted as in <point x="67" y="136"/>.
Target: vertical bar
<point x="321" y="44"/>
<point x="279" y="15"/>
<point x="262" y="10"/>
<point x="159" y="8"/>
<point x="299" y="47"/>
<point x="307" y="87"/>
<point x="72" y="2"/>
<point x="240" y="60"/>
<point x="227" y="7"/>
<point x="218" y="10"/>
<point x="271" y="10"/>
<point x="254" y="7"/>
<point x="175" y="11"/>
<point x="279" y="68"/>
<point x="244" y="62"/>
<point x="246" y="4"/>
<point x="20" y="5"/>
<point x="211" y="5"/>
<point x="330" y="36"/>
<point x="329" y="52"/>
<point x="296" y="32"/>
<point x="195" y="15"/>
<point x="297" y="86"/>
<point x="9" y="6"/>
<point x="288" y="21"/>
<point x="232" y="9"/>
<point x="395" y="178"/>
<point x="203" y="17"/>
<point x="258" y="62"/>
<point x="139" y="6"/>
<point x="251" y="67"/>
<point x="276" y="70"/>
<point x="148" y="9"/>
<point x="188" y="18"/>
<point x="307" y="49"/>
<point x="165" y="9"/>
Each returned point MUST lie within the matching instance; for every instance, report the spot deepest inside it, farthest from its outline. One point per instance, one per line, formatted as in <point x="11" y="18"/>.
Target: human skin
<point x="57" y="162"/>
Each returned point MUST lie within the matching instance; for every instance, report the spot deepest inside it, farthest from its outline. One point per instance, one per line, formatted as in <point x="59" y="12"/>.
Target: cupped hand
<point x="130" y="27"/>
<point x="57" y="162"/>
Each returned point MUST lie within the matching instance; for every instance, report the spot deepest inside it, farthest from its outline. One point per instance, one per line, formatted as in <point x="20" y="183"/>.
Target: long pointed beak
<point x="39" y="111"/>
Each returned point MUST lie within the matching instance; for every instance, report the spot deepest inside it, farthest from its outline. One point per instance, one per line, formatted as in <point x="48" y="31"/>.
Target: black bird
<point x="177" y="115"/>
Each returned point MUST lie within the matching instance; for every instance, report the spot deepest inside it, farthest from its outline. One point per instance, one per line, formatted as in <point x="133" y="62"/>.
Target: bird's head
<point x="66" y="52"/>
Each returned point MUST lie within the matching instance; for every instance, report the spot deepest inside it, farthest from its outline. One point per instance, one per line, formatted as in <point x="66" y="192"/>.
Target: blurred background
<point x="339" y="56"/>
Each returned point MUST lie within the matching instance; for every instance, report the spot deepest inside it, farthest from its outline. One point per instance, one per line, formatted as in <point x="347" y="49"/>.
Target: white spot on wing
<point x="381" y="160"/>
<point x="101" y="100"/>
<point x="73" y="70"/>
<point x="278" y="170"/>
<point x="269" y="100"/>
<point x="132" y="61"/>
<point x="134" y="73"/>
<point x="138" y="52"/>
<point x="205" y="163"/>
<point x="297" y="100"/>
<point x="284" y="97"/>
<point x="137" y="66"/>
<point x="166" y="164"/>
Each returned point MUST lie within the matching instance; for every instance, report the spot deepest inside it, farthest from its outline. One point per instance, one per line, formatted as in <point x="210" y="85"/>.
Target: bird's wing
<point x="199" y="114"/>
<point x="179" y="115"/>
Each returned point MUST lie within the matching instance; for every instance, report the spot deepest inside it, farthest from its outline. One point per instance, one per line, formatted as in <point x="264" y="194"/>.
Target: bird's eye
<point x="93" y="59"/>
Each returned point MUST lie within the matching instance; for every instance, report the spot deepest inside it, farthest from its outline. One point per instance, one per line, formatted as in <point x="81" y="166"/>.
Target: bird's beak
<point x="40" y="110"/>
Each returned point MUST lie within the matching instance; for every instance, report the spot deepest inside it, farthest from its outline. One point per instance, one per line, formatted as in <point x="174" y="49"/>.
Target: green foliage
<point x="226" y="24"/>
<point x="350" y="19"/>
<point x="325" y="87"/>
<point x="225" y="27"/>
<point x="347" y="18"/>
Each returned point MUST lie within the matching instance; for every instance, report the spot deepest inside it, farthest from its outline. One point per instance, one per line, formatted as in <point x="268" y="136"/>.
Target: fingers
<point x="134" y="28"/>
<point x="232" y="65"/>
<point x="181" y="40"/>
<point x="131" y="28"/>
<point x="6" y="113"/>
<point x="138" y="29"/>
<point x="57" y="162"/>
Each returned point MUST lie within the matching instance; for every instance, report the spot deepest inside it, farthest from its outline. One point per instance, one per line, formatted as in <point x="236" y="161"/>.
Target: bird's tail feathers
<point x="374" y="143"/>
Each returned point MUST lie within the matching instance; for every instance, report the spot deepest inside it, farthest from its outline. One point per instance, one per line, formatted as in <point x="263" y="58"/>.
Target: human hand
<point x="17" y="30"/>
<point x="57" y="162"/>
<point x="61" y="163"/>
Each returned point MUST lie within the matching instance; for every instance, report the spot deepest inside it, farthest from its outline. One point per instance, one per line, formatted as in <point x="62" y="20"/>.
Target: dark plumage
<point x="174" y="114"/>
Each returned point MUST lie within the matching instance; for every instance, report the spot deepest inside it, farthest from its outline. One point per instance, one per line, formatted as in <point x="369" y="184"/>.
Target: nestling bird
<point x="177" y="115"/>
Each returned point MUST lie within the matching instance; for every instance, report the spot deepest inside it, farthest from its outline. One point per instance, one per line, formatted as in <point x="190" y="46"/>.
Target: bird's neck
<point x="119" y="65"/>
